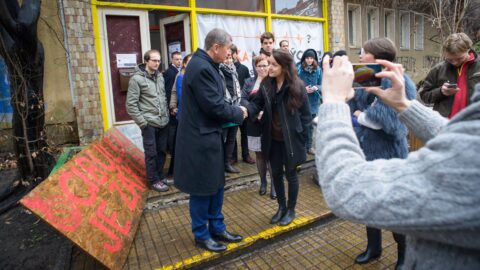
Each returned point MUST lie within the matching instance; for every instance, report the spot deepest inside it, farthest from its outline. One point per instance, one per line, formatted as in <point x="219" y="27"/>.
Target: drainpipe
<point x="67" y="53"/>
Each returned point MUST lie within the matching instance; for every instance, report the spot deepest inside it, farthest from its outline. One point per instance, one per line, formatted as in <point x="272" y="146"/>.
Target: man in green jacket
<point x="450" y="84"/>
<point x="147" y="105"/>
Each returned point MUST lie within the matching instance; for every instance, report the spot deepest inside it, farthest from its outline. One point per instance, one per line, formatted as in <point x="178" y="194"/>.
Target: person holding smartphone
<point x="381" y="134"/>
<point x="449" y="85"/>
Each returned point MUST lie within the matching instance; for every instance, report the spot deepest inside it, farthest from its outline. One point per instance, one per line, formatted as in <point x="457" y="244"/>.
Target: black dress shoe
<point x="210" y="245"/>
<point x="229" y="168"/>
<point x="280" y="213"/>
<point x="227" y="237"/>
<point x="288" y="217"/>
<point x="367" y="256"/>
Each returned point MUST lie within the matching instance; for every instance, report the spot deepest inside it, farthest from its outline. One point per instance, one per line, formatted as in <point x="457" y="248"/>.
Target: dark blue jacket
<point x="390" y="141"/>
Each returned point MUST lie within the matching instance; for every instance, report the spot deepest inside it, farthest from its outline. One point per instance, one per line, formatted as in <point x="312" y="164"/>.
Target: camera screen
<point x="365" y="75"/>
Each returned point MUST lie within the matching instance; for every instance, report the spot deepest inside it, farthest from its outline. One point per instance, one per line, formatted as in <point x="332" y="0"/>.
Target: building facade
<point x="97" y="43"/>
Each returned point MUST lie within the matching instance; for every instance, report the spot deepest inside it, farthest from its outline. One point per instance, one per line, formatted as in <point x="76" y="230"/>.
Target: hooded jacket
<point x="146" y="101"/>
<point x="311" y="78"/>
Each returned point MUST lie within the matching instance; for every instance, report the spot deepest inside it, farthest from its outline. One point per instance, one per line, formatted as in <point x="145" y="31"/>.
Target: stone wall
<point x="336" y="24"/>
<point x="78" y="18"/>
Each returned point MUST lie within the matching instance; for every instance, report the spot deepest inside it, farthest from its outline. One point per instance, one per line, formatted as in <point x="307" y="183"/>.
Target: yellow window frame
<point x="193" y="11"/>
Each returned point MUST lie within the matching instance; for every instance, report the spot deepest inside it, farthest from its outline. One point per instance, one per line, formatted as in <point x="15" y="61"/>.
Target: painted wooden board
<point x="96" y="199"/>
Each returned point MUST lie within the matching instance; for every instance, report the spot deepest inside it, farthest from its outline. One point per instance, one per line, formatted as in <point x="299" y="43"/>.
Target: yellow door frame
<point x="193" y="11"/>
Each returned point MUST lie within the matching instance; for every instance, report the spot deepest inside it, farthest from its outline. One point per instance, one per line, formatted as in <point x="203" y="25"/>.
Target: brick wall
<point x="336" y="25"/>
<point x="78" y="18"/>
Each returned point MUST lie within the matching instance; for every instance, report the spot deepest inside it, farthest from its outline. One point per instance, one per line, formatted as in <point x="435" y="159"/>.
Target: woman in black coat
<point x="285" y="122"/>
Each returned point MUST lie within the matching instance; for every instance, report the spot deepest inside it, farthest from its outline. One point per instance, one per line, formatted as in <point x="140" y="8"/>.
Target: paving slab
<point x="333" y="245"/>
<point x="164" y="239"/>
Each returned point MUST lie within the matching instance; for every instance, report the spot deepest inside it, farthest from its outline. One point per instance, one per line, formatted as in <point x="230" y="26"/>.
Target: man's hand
<point x="337" y="80"/>
<point x="309" y="89"/>
<point x="245" y="112"/>
<point x="448" y="91"/>
<point x="394" y="96"/>
<point x="173" y="111"/>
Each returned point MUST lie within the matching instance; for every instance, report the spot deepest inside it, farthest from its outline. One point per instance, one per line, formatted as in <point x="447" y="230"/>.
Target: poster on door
<point x="245" y="32"/>
<point x="300" y="35"/>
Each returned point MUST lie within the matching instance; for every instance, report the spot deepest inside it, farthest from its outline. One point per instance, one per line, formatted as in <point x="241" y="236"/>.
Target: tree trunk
<point x="24" y="56"/>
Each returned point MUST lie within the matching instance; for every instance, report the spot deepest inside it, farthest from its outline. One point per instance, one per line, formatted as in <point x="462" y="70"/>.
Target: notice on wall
<point x="96" y="199"/>
<point x="174" y="47"/>
<point x="126" y="60"/>
<point x="300" y="35"/>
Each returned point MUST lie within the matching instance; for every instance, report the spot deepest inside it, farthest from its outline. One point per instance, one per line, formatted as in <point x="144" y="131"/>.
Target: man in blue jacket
<point x="199" y="167"/>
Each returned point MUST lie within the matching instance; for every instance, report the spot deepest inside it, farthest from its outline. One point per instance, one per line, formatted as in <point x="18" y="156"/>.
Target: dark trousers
<point x="155" y="146"/>
<point x="243" y="141"/>
<point x="207" y="210"/>
<point x="374" y="237"/>
<point x="172" y="135"/>
<point x="278" y="160"/>
<point x="229" y="138"/>
<point x="308" y="143"/>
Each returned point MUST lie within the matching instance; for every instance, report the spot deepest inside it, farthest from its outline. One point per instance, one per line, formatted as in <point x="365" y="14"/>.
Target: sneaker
<point x="168" y="181"/>
<point x="159" y="187"/>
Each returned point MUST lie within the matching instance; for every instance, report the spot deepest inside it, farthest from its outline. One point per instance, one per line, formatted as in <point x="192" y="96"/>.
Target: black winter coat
<point x="169" y="75"/>
<point x="243" y="73"/>
<point x="294" y="124"/>
<point x="254" y="127"/>
<point x="199" y="164"/>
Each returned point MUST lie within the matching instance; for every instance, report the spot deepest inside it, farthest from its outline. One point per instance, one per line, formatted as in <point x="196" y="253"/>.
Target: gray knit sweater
<point x="433" y="196"/>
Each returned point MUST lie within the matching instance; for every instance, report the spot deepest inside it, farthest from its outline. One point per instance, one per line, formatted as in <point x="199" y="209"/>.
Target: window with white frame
<point x="389" y="24"/>
<point x="373" y="22"/>
<point x="354" y="25"/>
<point x="419" y="35"/>
<point x="404" y="30"/>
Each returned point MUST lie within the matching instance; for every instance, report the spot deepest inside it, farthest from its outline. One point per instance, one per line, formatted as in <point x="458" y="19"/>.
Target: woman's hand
<point x="394" y="96"/>
<point x="337" y="80"/>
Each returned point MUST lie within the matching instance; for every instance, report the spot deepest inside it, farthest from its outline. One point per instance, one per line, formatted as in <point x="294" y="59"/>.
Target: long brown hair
<point x="295" y="91"/>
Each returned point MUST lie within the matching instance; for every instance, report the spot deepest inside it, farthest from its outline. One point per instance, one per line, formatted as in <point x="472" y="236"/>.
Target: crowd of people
<point x="426" y="198"/>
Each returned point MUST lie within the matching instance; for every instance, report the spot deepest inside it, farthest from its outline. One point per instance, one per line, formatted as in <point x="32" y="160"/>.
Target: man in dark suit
<point x="169" y="75"/>
<point x="199" y="164"/>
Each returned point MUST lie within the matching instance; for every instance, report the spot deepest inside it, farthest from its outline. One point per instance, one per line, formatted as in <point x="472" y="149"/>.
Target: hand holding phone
<point x="452" y="85"/>
<point x="449" y="89"/>
<point x="365" y="75"/>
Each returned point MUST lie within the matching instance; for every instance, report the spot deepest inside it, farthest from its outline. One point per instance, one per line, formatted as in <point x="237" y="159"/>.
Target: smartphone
<point x="364" y="75"/>
<point x="452" y="85"/>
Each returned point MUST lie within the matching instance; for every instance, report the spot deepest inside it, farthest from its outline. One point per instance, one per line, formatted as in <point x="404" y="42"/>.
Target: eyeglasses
<point x="155" y="60"/>
<point x="262" y="66"/>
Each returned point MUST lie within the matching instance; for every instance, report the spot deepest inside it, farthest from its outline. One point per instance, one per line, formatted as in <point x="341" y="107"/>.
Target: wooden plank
<point x="96" y="199"/>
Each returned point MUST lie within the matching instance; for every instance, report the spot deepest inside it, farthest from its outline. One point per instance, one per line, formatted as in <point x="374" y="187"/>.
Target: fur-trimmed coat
<point x="390" y="141"/>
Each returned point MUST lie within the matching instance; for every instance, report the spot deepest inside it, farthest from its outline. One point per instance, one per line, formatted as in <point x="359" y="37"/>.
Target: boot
<point x="230" y="169"/>
<point x="263" y="187"/>
<point x="288" y="217"/>
<point x="400" y="239"/>
<point x="374" y="246"/>
<point x="278" y="216"/>
<point x="273" y="194"/>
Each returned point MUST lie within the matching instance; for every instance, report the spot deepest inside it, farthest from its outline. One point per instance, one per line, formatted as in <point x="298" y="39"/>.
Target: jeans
<point x="155" y="145"/>
<point x="278" y="160"/>
<point x="207" y="210"/>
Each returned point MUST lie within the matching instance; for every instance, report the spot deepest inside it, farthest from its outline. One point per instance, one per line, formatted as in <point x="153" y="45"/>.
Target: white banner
<point x="245" y="32"/>
<point x="300" y="35"/>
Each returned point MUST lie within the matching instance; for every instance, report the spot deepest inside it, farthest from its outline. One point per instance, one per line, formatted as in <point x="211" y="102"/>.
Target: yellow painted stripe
<point x="268" y="21"/>
<point x="193" y="25"/>
<point x="101" y="83"/>
<point x="267" y="234"/>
